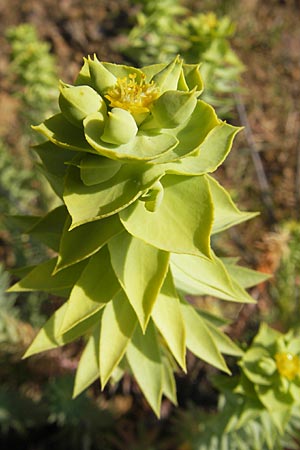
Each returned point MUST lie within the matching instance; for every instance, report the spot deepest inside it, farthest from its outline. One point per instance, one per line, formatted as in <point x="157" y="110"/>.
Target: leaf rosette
<point x="271" y="366"/>
<point x="130" y="156"/>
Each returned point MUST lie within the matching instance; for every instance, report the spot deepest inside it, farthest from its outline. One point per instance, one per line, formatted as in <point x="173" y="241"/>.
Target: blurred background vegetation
<point x="250" y="64"/>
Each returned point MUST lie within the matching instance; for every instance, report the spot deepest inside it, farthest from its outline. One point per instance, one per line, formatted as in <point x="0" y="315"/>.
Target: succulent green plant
<point x="271" y="374"/>
<point x="259" y="408"/>
<point x="131" y="155"/>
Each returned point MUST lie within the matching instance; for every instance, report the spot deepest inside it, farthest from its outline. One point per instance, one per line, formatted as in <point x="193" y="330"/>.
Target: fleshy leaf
<point x="141" y="270"/>
<point x="203" y="119"/>
<point x="193" y="77"/>
<point x="60" y="132"/>
<point x="169" y="383"/>
<point x="41" y="278"/>
<point x="96" y="286"/>
<point x="101" y="78"/>
<point x="85" y="240"/>
<point x="167" y="78"/>
<point x="121" y="71"/>
<point x="199" y="339"/>
<point x="244" y="276"/>
<point x="168" y="319"/>
<point x="48" y="337"/>
<point x="223" y="342"/>
<point x="88" y="367"/>
<point x="211" y="152"/>
<point x="120" y="127"/>
<point x="173" y="108"/>
<point x="77" y="102"/>
<point x="23" y="223"/>
<point x="153" y="197"/>
<point x="144" y="359"/>
<point x="84" y="77"/>
<point x="55" y="182"/>
<point x="226" y="213"/>
<point x="118" y="324"/>
<point x="97" y="169"/>
<point x="189" y="233"/>
<point x="88" y="203"/>
<point x="144" y="146"/>
<point x="54" y="165"/>
<point x="54" y="158"/>
<point x="202" y="276"/>
<point x="49" y="228"/>
<point x="279" y="405"/>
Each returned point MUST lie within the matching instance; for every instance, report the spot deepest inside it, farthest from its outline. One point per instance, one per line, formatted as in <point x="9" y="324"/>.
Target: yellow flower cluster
<point x="288" y="365"/>
<point x="135" y="97"/>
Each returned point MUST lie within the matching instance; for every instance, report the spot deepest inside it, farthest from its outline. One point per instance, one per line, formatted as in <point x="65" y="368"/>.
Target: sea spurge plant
<point x="271" y="366"/>
<point x="131" y="155"/>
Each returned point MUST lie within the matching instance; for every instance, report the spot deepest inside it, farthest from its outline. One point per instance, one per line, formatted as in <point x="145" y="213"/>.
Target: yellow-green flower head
<point x="132" y="95"/>
<point x="288" y="365"/>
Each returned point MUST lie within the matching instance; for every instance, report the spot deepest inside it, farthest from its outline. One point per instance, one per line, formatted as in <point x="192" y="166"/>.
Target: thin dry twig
<point x="265" y="190"/>
<point x="297" y="181"/>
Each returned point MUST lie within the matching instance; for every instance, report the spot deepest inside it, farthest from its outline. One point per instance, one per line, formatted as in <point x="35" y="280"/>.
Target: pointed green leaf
<point x="173" y="108"/>
<point x="87" y="203"/>
<point x="167" y="79"/>
<point x="190" y="232"/>
<point x="96" y="286"/>
<point x="168" y="319"/>
<point x="41" y="278"/>
<point x="244" y="276"/>
<point x="77" y="102"/>
<point x="119" y="127"/>
<point x="118" y="323"/>
<point x="60" y="132"/>
<point x="226" y="213"/>
<point x="144" y="359"/>
<point x="85" y="240"/>
<point x="203" y="276"/>
<point x="152" y="69"/>
<point x="88" y="367"/>
<point x="279" y="405"/>
<point x="199" y="339"/>
<point x="145" y="145"/>
<point x="48" y="337"/>
<point x="83" y="77"/>
<point x="101" y="78"/>
<point x="56" y="183"/>
<point x="54" y="158"/>
<point x="192" y="134"/>
<point x="192" y="77"/>
<point x="223" y="342"/>
<point x="49" y="228"/>
<point x="96" y="169"/>
<point x="121" y="70"/>
<point x="211" y="153"/>
<point x="24" y="223"/>
<point x="169" y="383"/>
<point x="141" y="270"/>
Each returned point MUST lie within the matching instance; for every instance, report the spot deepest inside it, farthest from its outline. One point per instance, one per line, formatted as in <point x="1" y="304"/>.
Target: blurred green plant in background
<point x="166" y="28"/>
<point x="33" y="76"/>
<point x="286" y="289"/>
<point x="34" y="73"/>
<point x="259" y="409"/>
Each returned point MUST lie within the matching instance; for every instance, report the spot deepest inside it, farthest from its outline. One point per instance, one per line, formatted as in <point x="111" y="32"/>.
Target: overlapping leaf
<point x="141" y="270"/>
<point x="183" y="221"/>
<point x="144" y="359"/>
<point x="118" y="324"/>
<point x="96" y="286"/>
